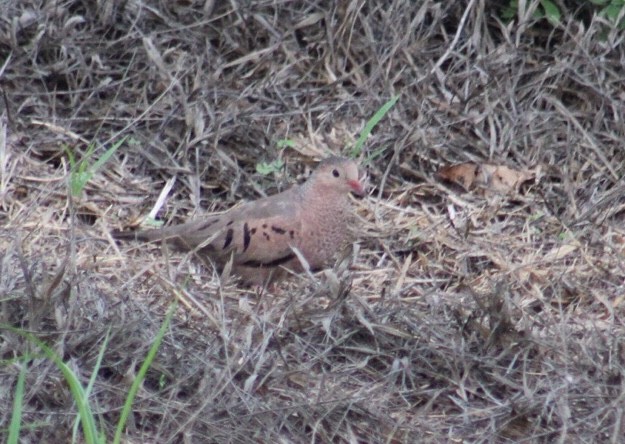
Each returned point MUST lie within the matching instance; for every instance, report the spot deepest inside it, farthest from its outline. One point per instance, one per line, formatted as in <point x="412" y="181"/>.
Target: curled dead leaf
<point x="489" y="178"/>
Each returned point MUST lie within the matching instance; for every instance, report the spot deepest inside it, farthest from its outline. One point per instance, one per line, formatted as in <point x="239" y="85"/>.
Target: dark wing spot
<point x="228" y="240"/>
<point x="246" y="236"/>
<point x="253" y="230"/>
<point x="264" y="225"/>
<point x="266" y="236"/>
<point x="229" y="223"/>
<point x="292" y="234"/>
<point x="277" y="229"/>
<point x="273" y="263"/>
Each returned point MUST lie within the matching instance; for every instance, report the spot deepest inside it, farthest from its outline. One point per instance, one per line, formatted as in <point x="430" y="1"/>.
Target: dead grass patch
<point x="459" y="317"/>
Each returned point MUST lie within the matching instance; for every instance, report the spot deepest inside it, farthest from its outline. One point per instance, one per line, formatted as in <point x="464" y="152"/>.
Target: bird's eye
<point x="335" y="173"/>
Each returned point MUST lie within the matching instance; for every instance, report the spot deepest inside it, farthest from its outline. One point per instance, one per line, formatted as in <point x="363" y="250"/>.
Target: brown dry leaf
<point x="464" y="174"/>
<point x="503" y="179"/>
<point x="489" y="178"/>
<point x="559" y="252"/>
<point x="310" y="146"/>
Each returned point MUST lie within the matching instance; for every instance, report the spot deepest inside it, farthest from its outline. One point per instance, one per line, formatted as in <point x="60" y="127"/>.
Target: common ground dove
<point x="261" y="235"/>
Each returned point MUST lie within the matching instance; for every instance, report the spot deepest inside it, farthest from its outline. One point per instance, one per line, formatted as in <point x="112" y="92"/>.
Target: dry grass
<point x="462" y="318"/>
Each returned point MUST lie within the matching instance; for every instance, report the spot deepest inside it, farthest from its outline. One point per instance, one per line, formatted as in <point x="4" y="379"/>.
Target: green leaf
<point x="613" y="10"/>
<point x="151" y="222"/>
<point x="265" y="168"/>
<point x="285" y="143"/>
<point x="509" y="11"/>
<point x="552" y="12"/>
<point x="162" y="381"/>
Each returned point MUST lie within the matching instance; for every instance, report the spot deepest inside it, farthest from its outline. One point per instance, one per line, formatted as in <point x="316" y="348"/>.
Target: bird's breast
<point x="325" y="230"/>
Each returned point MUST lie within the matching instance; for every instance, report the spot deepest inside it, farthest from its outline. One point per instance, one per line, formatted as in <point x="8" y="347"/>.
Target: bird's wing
<point x="258" y="233"/>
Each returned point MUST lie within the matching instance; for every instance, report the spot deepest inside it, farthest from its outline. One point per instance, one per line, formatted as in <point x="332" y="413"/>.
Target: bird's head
<point x="338" y="174"/>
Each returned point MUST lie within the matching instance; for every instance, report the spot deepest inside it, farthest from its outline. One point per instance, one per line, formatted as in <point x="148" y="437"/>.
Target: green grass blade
<point x="134" y="388"/>
<point x="107" y="155"/>
<point x="81" y="172"/>
<point x="94" y="376"/>
<point x="90" y="431"/>
<point x="18" y="402"/>
<point x="371" y="123"/>
<point x="71" y="157"/>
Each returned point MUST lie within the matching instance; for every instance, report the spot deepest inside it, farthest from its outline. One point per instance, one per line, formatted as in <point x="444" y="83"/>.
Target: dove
<point x="262" y="238"/>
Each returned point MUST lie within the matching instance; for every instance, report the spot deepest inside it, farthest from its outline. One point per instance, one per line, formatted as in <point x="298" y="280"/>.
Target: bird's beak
<point x="356" y="187"/>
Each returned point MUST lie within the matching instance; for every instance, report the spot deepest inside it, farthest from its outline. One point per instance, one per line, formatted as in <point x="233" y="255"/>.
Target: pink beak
<point x="356" y="187"/>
